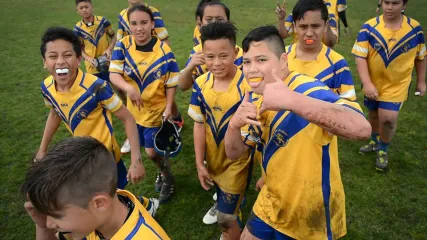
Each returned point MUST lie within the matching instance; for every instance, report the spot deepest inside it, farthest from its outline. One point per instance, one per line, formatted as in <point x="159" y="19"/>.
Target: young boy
<point x="387" y="49"/>
<point x="303" y="196"/>
<point x="145" y="68"/>
<point x="199" y="9"/>
<point x="213" y="11"/>
<point x="286" y="27"/>
<point x="97" y="37"/>
<point x="83" y="102"/>
<point x="72" y="192"/>
<point x="216" y="96"/>
<point x="159" y="26"/>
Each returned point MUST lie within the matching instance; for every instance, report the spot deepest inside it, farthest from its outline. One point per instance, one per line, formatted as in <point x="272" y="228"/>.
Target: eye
<point x="261" y="60"/>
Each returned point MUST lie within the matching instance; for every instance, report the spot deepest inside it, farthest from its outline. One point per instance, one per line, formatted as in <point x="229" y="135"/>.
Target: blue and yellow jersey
<point x="303" y="196"/>
<point x="196" y="36"/>
<point x="214" y="109"/>
<point x="150" y="72"/>
<point x="390" y="55"/>
<point x="330" y="67"/>
<point x="95" y="37"/>
<point x="139" y="225"/>
<point x="202" y="69"/>
<point x="86" y="109"/>
<point x="333" y="19"/>
<point x="289" y="25"/>
<point x="159" y="26"/>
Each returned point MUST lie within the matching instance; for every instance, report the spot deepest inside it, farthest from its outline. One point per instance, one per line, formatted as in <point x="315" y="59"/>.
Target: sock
<point x="178" y="118"/>
<point x="383" y="146"/>
<point x="375" y="137"/>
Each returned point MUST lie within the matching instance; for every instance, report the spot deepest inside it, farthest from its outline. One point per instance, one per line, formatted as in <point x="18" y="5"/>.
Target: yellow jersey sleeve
<point x="118" y="58"/>
<point x="159" y="26"/>
<point x="421" y="48"/>
<point x="361" y="46"/>
<point x="195" y="110"/>
<point x="107" y="98"/>
<point x="172" y="76"/>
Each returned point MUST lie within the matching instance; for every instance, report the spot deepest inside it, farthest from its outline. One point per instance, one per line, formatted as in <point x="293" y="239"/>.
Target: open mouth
<point x="62" y="72"/>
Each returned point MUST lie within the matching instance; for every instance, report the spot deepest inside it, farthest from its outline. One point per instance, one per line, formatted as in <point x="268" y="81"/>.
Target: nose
<point x="309" y="32"/>
<point x="216" y="61"/>
<point x="60" y="60"/>
<point x="50" y="223"/>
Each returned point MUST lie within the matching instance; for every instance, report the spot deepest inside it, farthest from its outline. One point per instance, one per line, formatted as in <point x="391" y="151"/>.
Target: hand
<point x="134" y="96"/>
<point x="196" y="60"/>
<point x="168" y="113"/>
<point x="245" y="114"/>
<point x="107" y="53"/>
<point x="421" y="88"/>
<point x="39" y="156"/>
<point x="92" y="61"/>
<point x="136" y="171"/>
<point x="370" y="91"/>
<point x="259" y="184"/>
<point x="37" y="217"/>
<point x="204" y="178"/>
<point x="280" y="11"/>
<point x="276" y="95"/>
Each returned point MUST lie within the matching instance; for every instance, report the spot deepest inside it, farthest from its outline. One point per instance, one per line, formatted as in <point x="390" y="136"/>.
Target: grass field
<point x="379" y="206"/>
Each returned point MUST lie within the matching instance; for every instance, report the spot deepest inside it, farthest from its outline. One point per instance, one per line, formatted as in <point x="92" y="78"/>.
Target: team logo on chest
<point x="406" y="48"/>
<point x="377" y="46"/>
<point x="280" y="138"/>
<point x="128" y="71"/>
<point x="82" y="114"/>
<point x="158" y="73"/>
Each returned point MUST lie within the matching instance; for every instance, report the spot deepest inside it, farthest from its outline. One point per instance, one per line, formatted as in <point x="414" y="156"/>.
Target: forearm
<point x="333" y="118"/>
<point x="52" y="123"/>
<point x="363" y="71"/>
<point x="199" y="135"/>
<point x="420" y="68"/>
<point x="170" y="97"/>
<point x="118" y="81"/>
<point x="186" y="78"/>
<point x="234" y="146"/>
<point x="282" y="28"/>
<point x="132" y="134"/>
<point x="330" y="37"/>
<point x="113" y="42"/>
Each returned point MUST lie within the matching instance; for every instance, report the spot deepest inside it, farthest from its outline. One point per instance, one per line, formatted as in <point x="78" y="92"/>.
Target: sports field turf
<point x="379" y="206"/>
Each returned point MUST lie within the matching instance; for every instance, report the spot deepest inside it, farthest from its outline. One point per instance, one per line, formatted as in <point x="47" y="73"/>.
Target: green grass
<point x="379" y="206"/>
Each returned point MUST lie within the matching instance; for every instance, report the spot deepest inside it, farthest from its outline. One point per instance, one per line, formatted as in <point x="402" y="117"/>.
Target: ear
<point x="326" y="27"/>
<point x="100" y="202"/>
<point x="152" y="25"/>
<point x="44" y="62"/>
<point x="80" y="59"/>
<point x="236" y="50"/>
<point x="294" y="26"/>
<point x="284" y="62"/>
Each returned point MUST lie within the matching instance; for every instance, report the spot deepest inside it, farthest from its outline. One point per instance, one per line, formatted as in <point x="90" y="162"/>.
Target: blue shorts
<point x="374" y="105"/>
<point x="121" y="175"/>
<point x="146" y="135"/>
<point x="262" y="230"/>
<point x="103" y="75"/>
<point x="229" y="203"/>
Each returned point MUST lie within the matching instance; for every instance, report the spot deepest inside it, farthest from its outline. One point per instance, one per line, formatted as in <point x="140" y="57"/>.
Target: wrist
<point x="281" y="19"/>
<point x="292" y="101"/>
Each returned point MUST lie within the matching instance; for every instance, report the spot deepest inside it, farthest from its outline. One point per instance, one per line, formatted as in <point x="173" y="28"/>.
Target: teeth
<point x="254" y="80"/>
<point x="63" y="70"/>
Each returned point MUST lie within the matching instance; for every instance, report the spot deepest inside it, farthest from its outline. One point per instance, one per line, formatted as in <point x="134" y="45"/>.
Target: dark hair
<point x="70" y="173"/>
<point x="304" y="6"/>
<point x="79" y="1"/>
<point x="199" y="9"/>
<point x="269" y="34"/>
<point x="55" y="33"/>
<point x="215" y="3"/>
<point x="141" y="8"/>
<point x="219" y="30"/>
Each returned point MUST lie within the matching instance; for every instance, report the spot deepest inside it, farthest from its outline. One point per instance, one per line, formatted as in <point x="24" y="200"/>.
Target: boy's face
<point x="219" y="57"/>
<point x="258" y="64"/>
<point x="84" y="9"/>
<point x="392" y="8"/>
<point x="61" y="61"/>
<point x="141" y="26"/>
<point x="310" y="29"/>
<point x="214" y="13"/>
<point x="75" y="221"/>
